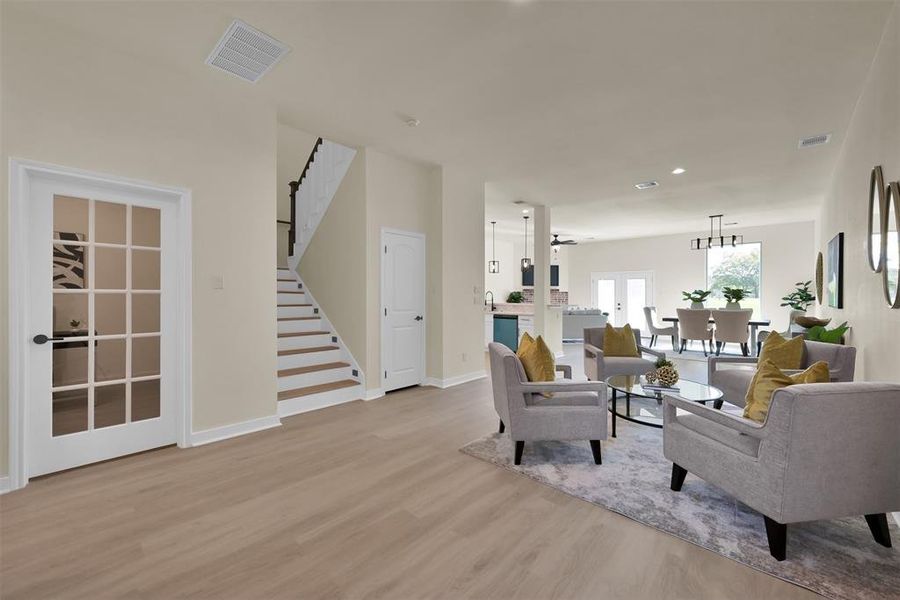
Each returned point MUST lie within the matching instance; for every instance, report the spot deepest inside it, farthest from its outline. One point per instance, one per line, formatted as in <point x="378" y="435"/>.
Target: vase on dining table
<point x="696" y="306"/>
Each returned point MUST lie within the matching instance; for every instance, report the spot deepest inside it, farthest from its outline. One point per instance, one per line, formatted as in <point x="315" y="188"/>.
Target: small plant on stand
<point x="800" y="298"/>
<point x="75" y="324"/>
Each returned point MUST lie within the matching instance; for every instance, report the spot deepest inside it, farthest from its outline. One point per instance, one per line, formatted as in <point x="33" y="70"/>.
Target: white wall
<point x="873" y="138"/>
<point x="73" y="101"/>
<point x="787" y="257"/>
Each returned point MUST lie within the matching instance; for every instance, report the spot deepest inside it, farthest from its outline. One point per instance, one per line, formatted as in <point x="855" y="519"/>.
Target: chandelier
<point x="716" y="239"/>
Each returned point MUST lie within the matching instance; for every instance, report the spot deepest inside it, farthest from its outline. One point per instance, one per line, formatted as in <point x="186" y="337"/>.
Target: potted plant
<point x="515" y="298"/>
<point x="734" y="295"/>
<point x="800" y="298"/>
<point x="75" y="324"/>
<point x="696" y="297"/>
<point x="818" y="333"/>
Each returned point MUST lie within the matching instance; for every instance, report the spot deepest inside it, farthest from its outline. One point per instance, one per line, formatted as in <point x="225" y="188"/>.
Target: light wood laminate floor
<point x="363" y="500"/>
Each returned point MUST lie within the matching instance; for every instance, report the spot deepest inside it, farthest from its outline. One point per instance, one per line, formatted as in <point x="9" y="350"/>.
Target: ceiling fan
<point x="558" y="242"/>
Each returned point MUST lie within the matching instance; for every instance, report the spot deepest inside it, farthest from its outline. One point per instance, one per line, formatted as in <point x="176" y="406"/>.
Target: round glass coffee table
<point x="645" y="406"/>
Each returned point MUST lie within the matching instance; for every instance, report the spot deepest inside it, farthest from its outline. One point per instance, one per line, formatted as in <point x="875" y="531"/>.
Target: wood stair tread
<point x="299" y="318"/>
<point x="312" y="369"/>
<point x="291" y="280"/>
<point x="317" y="389"/>
<point x="290" y="292"/>
<point x="288" y="305"/>
<point x="302" y="333"/>
<point x="307" y="350"/>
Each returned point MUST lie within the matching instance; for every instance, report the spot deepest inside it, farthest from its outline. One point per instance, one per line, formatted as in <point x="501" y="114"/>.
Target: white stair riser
<point x="308" y="358"/>
<point x="304" y="341"/>
<point x="292" y="298"/>
<point x="317" y="401"/>
<point x="293" y="382"/>
<point x="285" y="286"/>
<point x="283" y="273"/>
<point x="306" y="325"/>
<point x="296" y="311"/>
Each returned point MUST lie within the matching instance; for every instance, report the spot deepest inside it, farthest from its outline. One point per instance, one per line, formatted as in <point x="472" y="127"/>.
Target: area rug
<point x="837" y="559"/>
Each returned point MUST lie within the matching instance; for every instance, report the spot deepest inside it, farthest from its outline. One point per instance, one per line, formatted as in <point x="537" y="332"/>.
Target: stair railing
<point x="295" y="186"/>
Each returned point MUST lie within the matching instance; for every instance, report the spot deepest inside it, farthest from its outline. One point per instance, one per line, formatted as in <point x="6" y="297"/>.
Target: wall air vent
<point x="246" y="52"/>
<point x="646" y="185"/>
<point x="816" y="140"/>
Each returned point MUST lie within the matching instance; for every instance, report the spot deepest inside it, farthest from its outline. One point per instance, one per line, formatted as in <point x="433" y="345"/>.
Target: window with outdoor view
<point x="734" y="267"/>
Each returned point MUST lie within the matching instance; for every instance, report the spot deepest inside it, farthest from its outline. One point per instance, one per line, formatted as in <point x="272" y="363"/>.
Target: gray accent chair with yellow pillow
<point x="732" y="374"/>
<point x="598" y="367"/>
<point x="545" y="410"/>
<point x="824" y="451"/>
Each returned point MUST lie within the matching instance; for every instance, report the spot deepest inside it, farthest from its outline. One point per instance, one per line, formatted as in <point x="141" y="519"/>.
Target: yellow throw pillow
<point x="786" y="354"/>
<point x="619" y="342"/>
<point x="537" y="359"/>
<point x="769" y="378"/>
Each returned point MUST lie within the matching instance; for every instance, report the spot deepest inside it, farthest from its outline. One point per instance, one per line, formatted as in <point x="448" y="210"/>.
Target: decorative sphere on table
<point x="665" y="372"/>
<point x="650" y="377"/>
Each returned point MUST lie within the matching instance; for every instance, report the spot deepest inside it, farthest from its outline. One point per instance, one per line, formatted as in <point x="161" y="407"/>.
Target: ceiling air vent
<point x="518" y="202"/>
<point x="816" y="140"/>
<point x="246" y="52"/>
<point x="646" y="185"/>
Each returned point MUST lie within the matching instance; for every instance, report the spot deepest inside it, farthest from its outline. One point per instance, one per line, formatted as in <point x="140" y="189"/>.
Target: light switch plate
<point x="218" y="282"/>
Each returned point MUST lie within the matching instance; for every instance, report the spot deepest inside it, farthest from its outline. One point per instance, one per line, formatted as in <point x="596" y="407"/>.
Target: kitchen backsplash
<point x="556" y="296"/>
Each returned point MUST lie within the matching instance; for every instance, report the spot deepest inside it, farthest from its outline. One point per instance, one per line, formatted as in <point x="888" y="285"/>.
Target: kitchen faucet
<point x="493" y="308"/>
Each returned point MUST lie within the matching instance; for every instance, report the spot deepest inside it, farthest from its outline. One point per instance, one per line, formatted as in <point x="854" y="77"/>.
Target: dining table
<point x="755" y="324"/>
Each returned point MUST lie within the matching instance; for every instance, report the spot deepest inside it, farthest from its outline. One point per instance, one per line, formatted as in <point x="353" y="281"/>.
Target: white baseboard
<point x="217" y="434"/>
<point x="4" y="485"/>
<point x="374" y="394"/>
<point x="452" y="381"/>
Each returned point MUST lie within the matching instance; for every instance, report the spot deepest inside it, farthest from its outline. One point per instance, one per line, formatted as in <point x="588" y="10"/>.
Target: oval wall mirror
<point x="890" y="271"/>
<point x="877" y="221"/>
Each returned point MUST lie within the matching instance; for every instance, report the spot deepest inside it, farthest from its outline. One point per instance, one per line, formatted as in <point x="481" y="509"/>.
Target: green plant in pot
<point x="734" y="295"/>
<point x="75" y="324"/>
<point x="515" y="298"/>
<point x="800" y="298"/>
<point x="696" y="297"/>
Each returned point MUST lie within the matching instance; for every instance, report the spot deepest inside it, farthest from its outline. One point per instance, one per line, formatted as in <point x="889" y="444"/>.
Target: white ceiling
<point x="562" y="104"/>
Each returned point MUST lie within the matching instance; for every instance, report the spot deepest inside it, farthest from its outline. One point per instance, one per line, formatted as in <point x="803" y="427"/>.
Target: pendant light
<point x="716" y="241"/>
<point x="526" y="262"/>
<point x="494" y="264"/>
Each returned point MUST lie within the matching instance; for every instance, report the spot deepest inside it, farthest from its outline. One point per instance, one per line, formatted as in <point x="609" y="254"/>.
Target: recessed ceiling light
<point x="677" y="171"/>
<point x="411" y="122"/>
<point x="646" y="185"/>
<point x="525" y="211"/>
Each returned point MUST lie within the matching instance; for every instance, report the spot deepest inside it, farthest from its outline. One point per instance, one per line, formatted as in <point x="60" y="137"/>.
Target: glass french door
<point x="101" y="354"/>
<point x="623" y="294"/>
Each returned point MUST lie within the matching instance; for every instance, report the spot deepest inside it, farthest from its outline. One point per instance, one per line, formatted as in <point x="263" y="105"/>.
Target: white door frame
<point x="21" y="174"/>
<point x="415" y="234"/>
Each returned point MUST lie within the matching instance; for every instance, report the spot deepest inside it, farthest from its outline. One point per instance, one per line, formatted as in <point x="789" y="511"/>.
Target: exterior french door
<point x="101" y="321"/>
<point x="623" y="294"/>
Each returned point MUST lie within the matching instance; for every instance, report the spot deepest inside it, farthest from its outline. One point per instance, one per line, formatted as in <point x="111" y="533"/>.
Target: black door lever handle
<point x="43" y="339"/>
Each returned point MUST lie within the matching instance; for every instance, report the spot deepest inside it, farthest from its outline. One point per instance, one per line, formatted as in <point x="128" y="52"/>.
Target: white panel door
<point x="102" y="324"/>
<point x="623" y="294"/>
<point x="403" y="310"/>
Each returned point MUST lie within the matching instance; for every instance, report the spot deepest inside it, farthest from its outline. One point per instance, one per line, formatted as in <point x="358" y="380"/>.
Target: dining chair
<point x="762" y="335"/>
<point x="732" y="326"/>
<point x="655" y="330"/>
<point x="693" y="324"/>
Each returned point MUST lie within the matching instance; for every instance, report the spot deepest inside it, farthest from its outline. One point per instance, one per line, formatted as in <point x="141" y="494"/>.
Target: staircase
<point x="315" y="369"/>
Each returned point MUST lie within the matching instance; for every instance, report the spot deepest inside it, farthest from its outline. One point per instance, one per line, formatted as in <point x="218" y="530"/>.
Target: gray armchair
<point x="598" y="368"/>
<point x="732" y="374"/>
<point x="575" y="411"/>
<point x="825" y="451"/>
